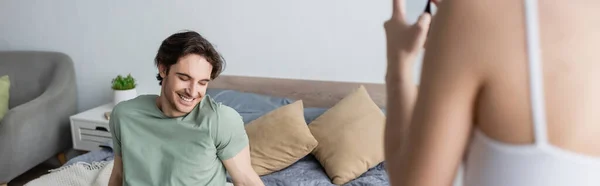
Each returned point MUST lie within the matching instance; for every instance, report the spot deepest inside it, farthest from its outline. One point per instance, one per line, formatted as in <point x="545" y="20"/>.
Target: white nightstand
<point x="89" y="129"/>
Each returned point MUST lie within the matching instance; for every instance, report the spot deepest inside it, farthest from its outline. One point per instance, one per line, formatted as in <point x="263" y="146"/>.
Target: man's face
<point x="185" y="84"/>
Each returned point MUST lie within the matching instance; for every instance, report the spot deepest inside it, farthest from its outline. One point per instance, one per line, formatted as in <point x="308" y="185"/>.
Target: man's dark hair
<point x="184" y="43"/>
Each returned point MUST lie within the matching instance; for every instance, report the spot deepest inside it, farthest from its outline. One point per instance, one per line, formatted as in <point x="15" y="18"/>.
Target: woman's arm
<point x="404" y="42"/>
<point x="443" y="115"/>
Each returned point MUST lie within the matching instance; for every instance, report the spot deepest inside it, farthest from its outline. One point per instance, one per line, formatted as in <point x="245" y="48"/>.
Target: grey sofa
<point x="43" y="95"/>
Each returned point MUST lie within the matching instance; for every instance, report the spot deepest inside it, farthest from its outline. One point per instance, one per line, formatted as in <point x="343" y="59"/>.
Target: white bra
<point x="494" y="163"/>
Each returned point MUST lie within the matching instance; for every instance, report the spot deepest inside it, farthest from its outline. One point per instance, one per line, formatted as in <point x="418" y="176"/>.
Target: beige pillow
<point x="4" y="96"/>
<point x="279" y="138"/>
<point x="350" y="136"/>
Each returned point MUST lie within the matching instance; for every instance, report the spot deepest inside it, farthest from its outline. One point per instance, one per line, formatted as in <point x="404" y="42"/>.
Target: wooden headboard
<point x="312" y="93"/>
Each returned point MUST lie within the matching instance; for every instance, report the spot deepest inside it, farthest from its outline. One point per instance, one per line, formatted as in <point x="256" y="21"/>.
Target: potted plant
<point x="123" y="88"/>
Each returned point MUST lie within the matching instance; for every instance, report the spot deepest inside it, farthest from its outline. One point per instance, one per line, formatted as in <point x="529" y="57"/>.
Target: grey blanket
<point x="306" y="172"/>
<point x="105" y="153"/>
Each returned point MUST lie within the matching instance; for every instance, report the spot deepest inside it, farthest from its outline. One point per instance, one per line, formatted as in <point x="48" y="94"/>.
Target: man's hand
<point x="404" y="41"/>
<point x="241" y="171"/>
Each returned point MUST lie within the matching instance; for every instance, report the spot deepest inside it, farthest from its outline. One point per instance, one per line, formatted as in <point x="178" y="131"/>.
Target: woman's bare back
<point x="570" y="32"/>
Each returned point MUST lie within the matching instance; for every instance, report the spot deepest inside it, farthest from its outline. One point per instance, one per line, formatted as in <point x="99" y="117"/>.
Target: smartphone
<point x="428" y="7"/>
<point x="428" y="10"/>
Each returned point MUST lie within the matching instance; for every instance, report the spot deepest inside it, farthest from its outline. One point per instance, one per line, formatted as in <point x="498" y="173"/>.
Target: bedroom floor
<point x="42" y="168"/>
<point x="32" y="174"/>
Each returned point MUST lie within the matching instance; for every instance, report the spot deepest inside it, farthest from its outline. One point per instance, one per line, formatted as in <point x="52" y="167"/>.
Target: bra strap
<point x="536" y="82"/>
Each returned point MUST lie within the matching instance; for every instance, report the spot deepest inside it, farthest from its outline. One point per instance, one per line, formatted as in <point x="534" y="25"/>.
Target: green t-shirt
<point x="188" y="150"/>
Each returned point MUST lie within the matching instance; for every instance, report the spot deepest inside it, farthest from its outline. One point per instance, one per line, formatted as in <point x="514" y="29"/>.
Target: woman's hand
<point x="404" y="41"/>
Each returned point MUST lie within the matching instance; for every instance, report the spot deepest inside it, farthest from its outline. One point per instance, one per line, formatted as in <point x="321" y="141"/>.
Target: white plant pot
<point x="123" y="95"/>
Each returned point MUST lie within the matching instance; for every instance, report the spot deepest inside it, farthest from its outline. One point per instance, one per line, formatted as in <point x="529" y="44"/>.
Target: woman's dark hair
<point x="184" y="43"/>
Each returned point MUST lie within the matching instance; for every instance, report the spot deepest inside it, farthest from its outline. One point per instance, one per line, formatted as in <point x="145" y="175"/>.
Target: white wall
<point x="340" y="40"/>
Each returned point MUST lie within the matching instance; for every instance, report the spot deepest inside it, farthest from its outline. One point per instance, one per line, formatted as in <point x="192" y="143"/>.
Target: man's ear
<point x="162" y="70"/>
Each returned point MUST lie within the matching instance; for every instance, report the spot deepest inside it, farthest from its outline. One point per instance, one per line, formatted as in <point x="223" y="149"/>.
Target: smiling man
<point x="182" y="136"/>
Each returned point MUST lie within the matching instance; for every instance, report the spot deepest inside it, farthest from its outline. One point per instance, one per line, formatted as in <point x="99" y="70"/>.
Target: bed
<point x="253" y="97"/>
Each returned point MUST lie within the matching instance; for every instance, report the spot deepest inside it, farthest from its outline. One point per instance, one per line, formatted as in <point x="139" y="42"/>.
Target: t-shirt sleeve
<point x="115" y="131"/>
<point x="231" y="135"/>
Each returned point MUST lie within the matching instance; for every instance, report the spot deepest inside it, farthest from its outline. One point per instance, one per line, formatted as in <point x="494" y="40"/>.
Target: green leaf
<point x="123" y="83"/>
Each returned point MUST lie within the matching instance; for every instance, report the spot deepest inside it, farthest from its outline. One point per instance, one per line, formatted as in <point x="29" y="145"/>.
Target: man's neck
<point x="163" y="105"/>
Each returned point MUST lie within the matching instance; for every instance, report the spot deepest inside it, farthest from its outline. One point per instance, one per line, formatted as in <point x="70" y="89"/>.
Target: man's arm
<point x="116" y="177"/>
<point x="240" y="169"/>
<point x="233" y="148"/>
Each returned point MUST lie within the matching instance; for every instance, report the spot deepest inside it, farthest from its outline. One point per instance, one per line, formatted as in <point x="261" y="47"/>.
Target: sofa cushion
<point x="4" y="95"/>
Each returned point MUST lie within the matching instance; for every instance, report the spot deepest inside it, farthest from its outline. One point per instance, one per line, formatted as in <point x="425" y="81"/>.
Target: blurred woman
<point x="507" y="89"/>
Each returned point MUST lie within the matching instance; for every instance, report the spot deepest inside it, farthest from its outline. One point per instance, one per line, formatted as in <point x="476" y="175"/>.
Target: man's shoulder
<point x="137" y="103"/>
<point x="218" y="111"/>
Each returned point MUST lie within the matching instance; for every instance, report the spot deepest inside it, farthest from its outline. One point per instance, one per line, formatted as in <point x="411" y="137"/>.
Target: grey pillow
<point x="249" y="105"/>
<point x="252" y="106"/>
<point x="313" y="113"/>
